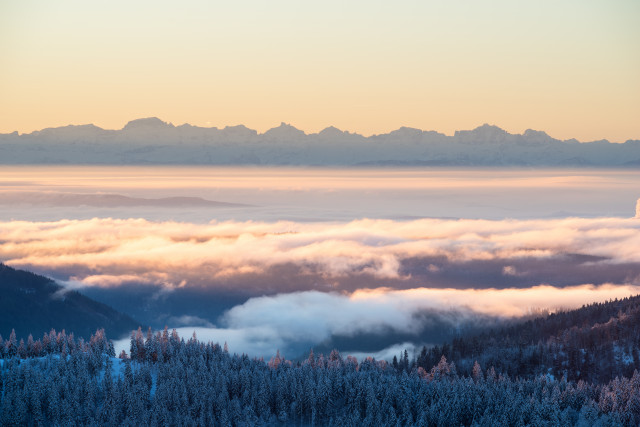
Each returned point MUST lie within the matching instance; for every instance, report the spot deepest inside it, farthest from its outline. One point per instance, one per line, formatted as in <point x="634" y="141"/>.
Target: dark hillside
<point x="31" y="304"/>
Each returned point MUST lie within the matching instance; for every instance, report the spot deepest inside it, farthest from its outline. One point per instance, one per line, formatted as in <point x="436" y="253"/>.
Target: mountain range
<point x="153" y="141"/>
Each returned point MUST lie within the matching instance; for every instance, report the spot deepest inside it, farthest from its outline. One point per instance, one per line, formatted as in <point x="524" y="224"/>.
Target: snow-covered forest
<point x="167" y="380"/>
<point x="594" y="343"/>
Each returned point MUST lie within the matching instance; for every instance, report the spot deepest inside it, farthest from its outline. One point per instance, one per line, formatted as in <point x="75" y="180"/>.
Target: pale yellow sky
<point x="571" y="68"/>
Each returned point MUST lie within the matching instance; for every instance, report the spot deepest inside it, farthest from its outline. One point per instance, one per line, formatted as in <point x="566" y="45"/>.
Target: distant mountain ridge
<point x="105" y="200"/>
<point x="153" y="141"/>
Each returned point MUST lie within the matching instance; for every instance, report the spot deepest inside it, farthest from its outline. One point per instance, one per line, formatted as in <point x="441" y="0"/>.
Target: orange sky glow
<point x="569" y="68"/>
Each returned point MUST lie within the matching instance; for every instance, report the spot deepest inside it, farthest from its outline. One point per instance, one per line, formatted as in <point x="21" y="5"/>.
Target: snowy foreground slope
<point x="171" y="381"/>
<point x="152" y="141"/>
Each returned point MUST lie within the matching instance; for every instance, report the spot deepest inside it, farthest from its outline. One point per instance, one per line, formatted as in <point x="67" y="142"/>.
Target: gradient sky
<point x="571" y="68"/>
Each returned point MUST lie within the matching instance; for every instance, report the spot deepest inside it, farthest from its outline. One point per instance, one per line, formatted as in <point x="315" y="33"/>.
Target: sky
<point x="570" y="68"/>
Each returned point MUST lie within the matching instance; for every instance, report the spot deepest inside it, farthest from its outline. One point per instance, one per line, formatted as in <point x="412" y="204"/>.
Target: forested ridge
<point x="32" y="304"/>
<point x="595" y="343"/>
<point x="169" y="381"/>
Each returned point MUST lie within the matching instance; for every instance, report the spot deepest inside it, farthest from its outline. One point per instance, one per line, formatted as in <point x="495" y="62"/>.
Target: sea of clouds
<point x="370" y="260"/>
<point x="307" y="282"/>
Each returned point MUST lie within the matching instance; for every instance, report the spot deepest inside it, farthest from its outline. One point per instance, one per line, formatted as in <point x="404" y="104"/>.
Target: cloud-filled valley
<point x="363" y="260"/>
<point x="304" y="284"/>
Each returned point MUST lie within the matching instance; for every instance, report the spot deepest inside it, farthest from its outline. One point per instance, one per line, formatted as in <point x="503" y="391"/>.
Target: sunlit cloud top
<point x="285" y="256"/>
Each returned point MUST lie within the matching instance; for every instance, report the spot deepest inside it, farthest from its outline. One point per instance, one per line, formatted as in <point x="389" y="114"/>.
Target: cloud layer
<point x="288" y="256"/>
<point x="310" y="284"/>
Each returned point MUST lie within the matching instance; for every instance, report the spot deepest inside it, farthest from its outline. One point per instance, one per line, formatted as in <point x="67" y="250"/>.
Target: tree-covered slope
<point x="31" y="304"/>
<point x="170" y="381"/>
<point x="594" y="343"/>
